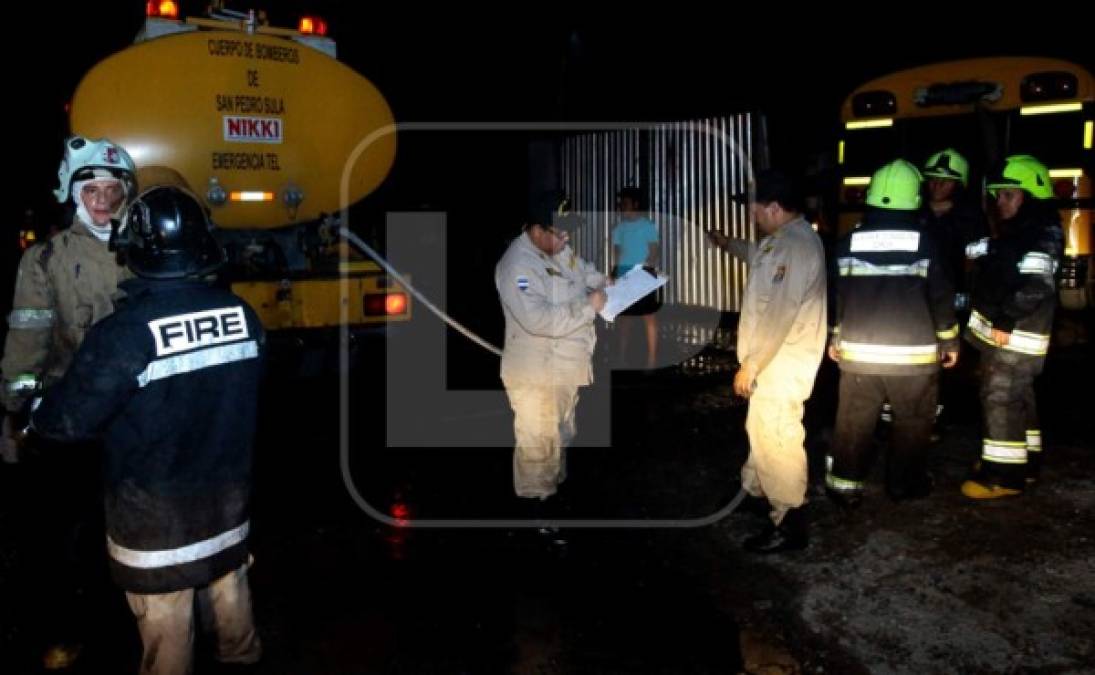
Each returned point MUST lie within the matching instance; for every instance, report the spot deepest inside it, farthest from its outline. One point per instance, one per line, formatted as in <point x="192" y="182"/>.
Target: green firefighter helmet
<point x="948" y="164"/>
<point x="1022" y="172"/>
<point x="896" y="186"/>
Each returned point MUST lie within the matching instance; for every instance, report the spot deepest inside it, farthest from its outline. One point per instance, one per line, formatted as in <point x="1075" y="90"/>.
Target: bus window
<point x="865" y="150"/>
<point x="976" y="137"/>
<point x="1057" y="140"/>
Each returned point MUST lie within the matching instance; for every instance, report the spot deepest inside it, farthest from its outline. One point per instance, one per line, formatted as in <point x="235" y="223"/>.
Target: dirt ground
<point x="939" y="585"/>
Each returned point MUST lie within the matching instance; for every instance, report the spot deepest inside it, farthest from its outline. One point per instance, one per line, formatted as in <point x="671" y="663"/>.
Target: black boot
<point x="757" y="506"/>
<point x="845" y="501"/>
<point x="542" y="512"/>
<point x="789" y="535"/>
<point x="1034" y="467"/>
<point x="937" y="424"/>
<point x="917" y="488"/>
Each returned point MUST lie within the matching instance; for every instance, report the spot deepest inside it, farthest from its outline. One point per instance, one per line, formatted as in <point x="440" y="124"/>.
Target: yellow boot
<point x="975" y="489"/>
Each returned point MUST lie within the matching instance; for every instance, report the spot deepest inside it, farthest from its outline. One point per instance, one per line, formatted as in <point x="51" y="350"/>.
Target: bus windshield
<point x="976" y="136"/>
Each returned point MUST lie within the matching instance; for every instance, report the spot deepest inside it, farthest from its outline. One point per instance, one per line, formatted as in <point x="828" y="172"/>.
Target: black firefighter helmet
<point x="166" y="235"/>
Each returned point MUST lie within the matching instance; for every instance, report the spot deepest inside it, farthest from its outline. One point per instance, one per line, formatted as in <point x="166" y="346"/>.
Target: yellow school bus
<point x="986" y="109"/>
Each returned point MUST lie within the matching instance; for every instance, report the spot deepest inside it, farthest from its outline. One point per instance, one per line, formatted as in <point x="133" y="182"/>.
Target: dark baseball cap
<point x="552" y="209"/>
<point x="773" y="185"/>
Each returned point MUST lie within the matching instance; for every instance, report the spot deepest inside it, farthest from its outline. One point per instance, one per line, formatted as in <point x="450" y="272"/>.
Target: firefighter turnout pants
<point x="1011" y="449"/>
<point x="912" y="399"/>
<point x="166" y="624"/>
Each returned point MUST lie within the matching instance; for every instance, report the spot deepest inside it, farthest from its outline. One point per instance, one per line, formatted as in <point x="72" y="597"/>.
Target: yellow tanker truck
<point x="261" y="122"/>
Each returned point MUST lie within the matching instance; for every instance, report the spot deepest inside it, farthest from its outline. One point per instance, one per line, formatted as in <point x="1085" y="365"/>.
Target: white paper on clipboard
<point x="629" y="289"/>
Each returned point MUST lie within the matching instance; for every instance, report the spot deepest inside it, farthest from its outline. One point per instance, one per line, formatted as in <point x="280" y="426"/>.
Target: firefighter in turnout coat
<point x="170" y="383"/>
<point x="893" y="326"/>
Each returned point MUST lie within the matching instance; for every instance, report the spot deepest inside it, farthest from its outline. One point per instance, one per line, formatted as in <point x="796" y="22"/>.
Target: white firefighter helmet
<point x="87" y="159"/>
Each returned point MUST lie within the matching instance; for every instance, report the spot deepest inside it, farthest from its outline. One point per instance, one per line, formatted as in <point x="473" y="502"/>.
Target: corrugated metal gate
<point x="688" y="171"/>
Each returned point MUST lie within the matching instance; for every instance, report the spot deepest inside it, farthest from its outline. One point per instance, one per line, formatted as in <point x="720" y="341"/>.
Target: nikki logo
<point x="198" y="329"/>
<point x="252" y="129"/>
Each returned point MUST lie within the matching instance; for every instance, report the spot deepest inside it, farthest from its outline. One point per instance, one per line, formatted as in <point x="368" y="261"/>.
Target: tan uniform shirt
<point x="783" y="314"/>
<point x="549" y="322"/>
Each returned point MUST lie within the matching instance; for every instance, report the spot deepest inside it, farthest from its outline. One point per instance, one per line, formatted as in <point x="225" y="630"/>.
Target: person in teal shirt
<point x="635" y="242"/>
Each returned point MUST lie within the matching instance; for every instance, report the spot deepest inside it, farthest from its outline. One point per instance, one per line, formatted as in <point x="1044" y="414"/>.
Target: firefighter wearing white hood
<point x="66" y="284"/>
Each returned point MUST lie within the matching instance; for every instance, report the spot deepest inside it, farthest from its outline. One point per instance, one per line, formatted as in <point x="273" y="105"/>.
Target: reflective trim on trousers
<point x="843" y="484"/>
<point x="1004" y="452"/>
<point x="1034" y="440"/>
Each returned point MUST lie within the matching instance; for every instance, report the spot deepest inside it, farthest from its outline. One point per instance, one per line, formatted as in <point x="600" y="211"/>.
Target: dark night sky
<point x="467" y="66"/>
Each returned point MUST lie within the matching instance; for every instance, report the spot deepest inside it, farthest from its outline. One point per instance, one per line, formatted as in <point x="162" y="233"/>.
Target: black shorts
<point x="648" y="304"/>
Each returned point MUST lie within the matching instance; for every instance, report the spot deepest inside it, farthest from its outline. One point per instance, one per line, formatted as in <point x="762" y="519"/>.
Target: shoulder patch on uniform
<point x="781" y="272"/>
<point x="47" y="252"/>
<point x="522" y="283"/>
